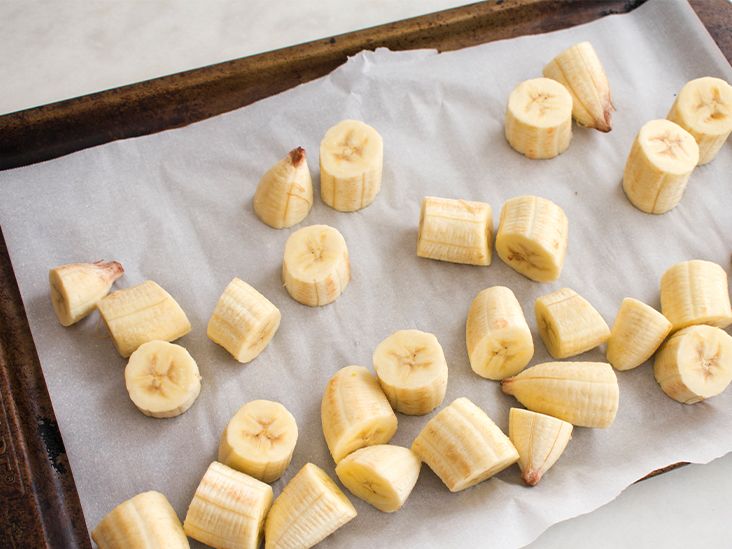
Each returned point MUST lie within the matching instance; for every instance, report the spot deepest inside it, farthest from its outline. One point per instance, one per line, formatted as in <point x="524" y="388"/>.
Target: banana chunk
<point x="539" y="118"/>
<point x="695" y="292"/>
<point x="355" y="412"/>
<point x="703" y="108"/>
<point x="144" y="521"/>
<point x="568" y="324"/>
<point x="532" y="237"/>
<point x="579" y="69"/>
<point x="259" y="440"/>
<point x="498" y="339"/>
<point x="140" y="314"/>
<point x="76" y="288"/>
<point x="412" y="371"/>
<point x="351" y="161"/>
<point x="539" y="440"/>
<point x="660" y="162"/>
<point x="243" y="322"/>
<point x="585" y="394"/>
<point x="463" y="446"/>
<point x="695" y="364"/>
<point x="316" y="268"/>
<point x="285" y="193"/>
<point x="310" y="508"/>
<point x="637" y="333"/>
<point x="228" y="509"/>
<point x="458" y="231"/>
<point x="381" y="475"/>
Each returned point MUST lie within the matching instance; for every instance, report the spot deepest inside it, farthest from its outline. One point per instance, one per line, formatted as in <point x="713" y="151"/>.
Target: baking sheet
<point x="176" y="208"/>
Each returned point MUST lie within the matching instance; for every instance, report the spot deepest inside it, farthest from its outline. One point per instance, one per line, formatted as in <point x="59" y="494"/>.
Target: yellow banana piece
<point x="637" y="333"/>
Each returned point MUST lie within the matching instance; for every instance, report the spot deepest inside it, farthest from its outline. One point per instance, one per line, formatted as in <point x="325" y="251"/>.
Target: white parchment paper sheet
<point x="176" y="208"/>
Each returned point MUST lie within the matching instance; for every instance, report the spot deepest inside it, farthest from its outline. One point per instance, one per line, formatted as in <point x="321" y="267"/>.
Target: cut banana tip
<point x="284" y="195"/>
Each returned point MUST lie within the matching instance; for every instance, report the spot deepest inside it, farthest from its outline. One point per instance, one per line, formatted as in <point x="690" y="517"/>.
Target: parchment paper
<point x="176" y="208"/>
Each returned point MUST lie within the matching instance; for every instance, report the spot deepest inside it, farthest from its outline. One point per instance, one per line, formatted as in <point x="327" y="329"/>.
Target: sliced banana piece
<point x="316" y="268"/>
<point x="76" y="288"/>
<point x="532" y="237"/>
<point x="458" y="231"/>
<point x="539" y="118"/>
<point x="351" y="161"/>
<point x="243" y="322"/>
<point x="637" y="333"/>
<point x="309" y="509"/>
<point x="695" y="364"/>
<point x="259" y="440"/>
<point x="285" y="193"/>
<point x="463" y="446"/>
<point x="660" y="162"/>
<point x="412" y="371"/>
<point x="585" y="394"/>
<point x="355" y="412"/>
<point x="498" y="338"/>
<point x="703" y="108"/>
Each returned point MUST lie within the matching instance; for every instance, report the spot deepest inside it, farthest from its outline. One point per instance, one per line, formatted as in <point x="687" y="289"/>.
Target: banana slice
<point x="412" y="371"/>
<point x="351" y="161"/>
<point x="243" y="322"/>
<point x="568" y="324"/>
<point x="539" y="118"/>
<point x="140" y="314"/>
<point x="76" y="288"/>
<point x="144" y="521"/>
<point x="228" y="509"/>
<point x="660" y="162"/>
<point x="381" y="475"/>
<point x="355" y="413"/>
<point x="316" y="268"/>
<point x="703" y="108"/>
<point x="637" y="333"/>
<point x="579" y="69"/>
<point x="539" y="440"/>
<point x="585" y="394"/>
<point x="532" y="237"/>
<point x="695" y="292"/>
<point x="259" y="440"/>
<point x="309" y="509"/>
<point x="498" y="338"/>
<point x="458" y="231"/>
<point x="285" y="193"/>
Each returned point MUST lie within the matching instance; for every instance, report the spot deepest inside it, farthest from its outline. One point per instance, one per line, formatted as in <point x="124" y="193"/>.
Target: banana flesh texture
<point x="458" y="231"/>
<point x="539" y="440"/>
<point x="228" y="509"/>
<point x="355" y="412"/>
<point x="463" y="446"/>
<point x="695" y="364"/>
<point x="243" y="322"/>
<point x="351" y="162"/>
<point x="316" y="268"/>
<point x="497" y="336"/>
<point x="660" y="162"/>
<point x="585" y="394"/>
<point x="140" y="314"/>
<point x="145" y="521"/>
<point x="285" y="193"/>
<point x="412" y="371"/>
<point x="703" y="108"/>
<point x="695" y="292"/>
<point x="310" y="508"/>
<point x="381" y="475"/>
<point x="76" y="288"/>
<point x="568" y="324"/>
<point x="532" y="237"/>
<point x="259" y="440"/>
<point x="539" y="118"/>
<point x="162" y="379"/>
<point x="637" y="333"/>
<point x="580" y="71"/>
